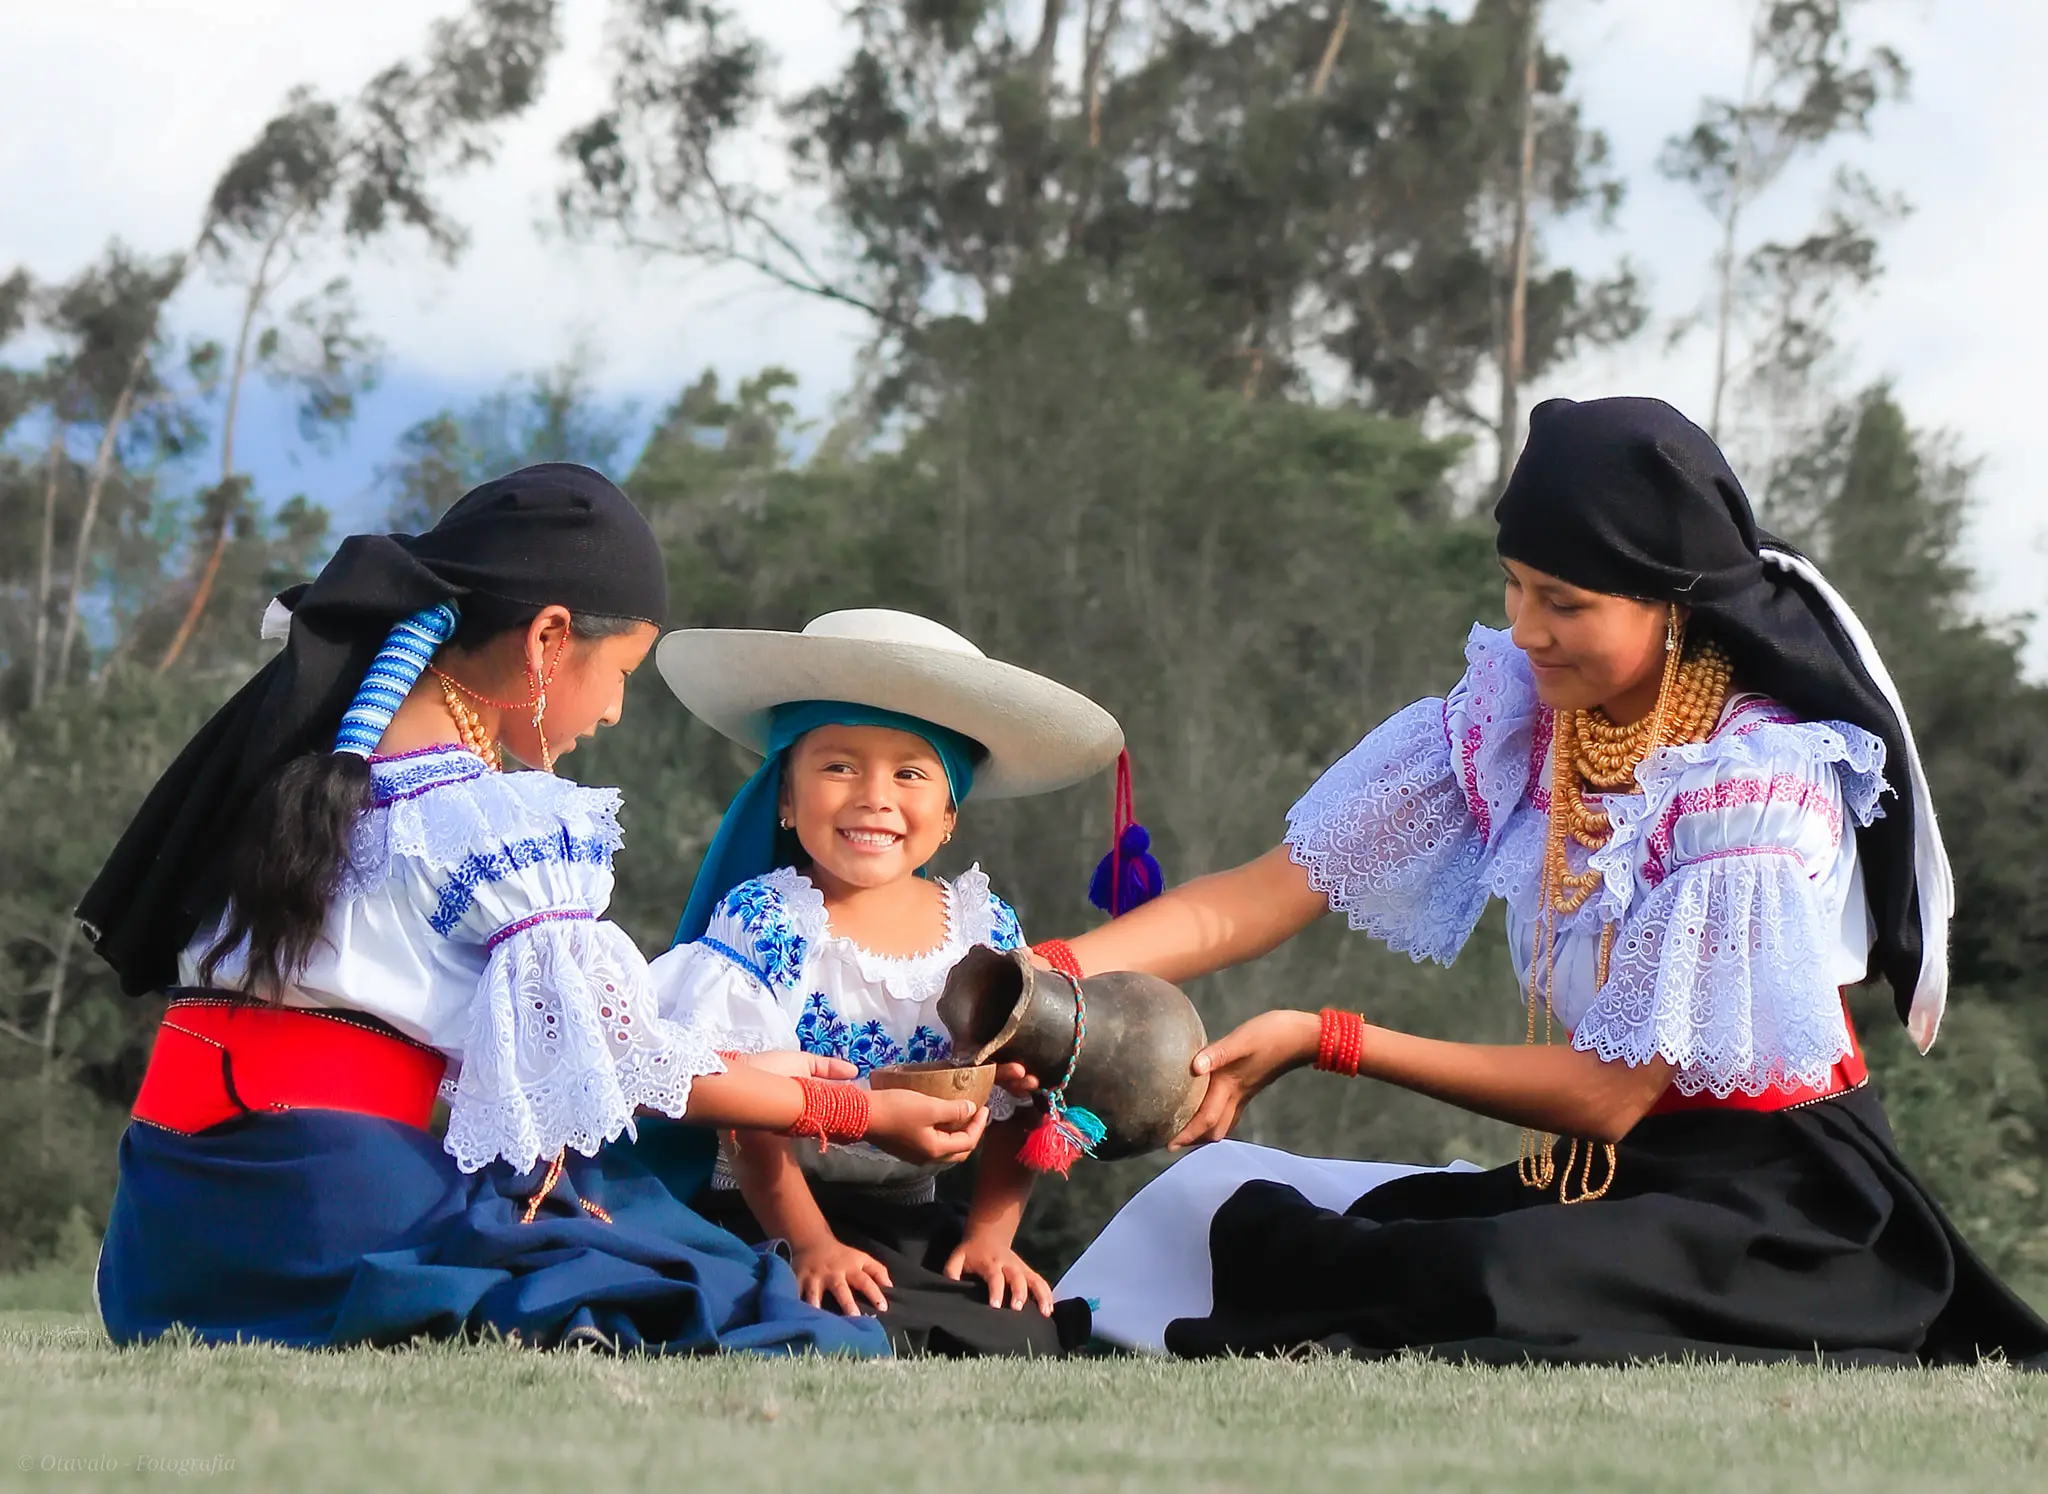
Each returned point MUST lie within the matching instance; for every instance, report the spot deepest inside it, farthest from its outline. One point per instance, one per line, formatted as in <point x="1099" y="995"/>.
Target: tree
<point x="321" y="171"/>
<point x="1270" y="185"/>
<point x="550" y="416"/>
<point x="1806" y="84"/>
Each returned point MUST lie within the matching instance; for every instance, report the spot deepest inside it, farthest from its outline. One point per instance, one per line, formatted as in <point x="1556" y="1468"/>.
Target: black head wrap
<point x="547" y="535"/>
<point x="1629" y="498"/>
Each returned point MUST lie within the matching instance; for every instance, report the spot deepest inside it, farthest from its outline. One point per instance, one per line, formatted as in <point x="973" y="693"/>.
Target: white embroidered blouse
<point x="471" y="919"/>
<point x="769" y="974"/>
<point x="1732" y="878"/>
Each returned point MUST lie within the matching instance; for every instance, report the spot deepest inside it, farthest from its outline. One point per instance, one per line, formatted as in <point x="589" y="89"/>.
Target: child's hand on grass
<point x="828" y="1267"/>
<point x="1009" y="1280"/>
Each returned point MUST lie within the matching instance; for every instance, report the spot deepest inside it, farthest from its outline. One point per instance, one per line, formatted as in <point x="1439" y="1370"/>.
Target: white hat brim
<point x="1040" y="735"/>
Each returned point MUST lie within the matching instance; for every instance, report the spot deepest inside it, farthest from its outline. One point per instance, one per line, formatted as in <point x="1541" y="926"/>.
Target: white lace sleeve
<point x="1398" y="833"/>
<point x="703" y="988"/>
<point x="562" y="1040"/>
<point x="1746" y="919"/>
<point x="565" y="1043"/>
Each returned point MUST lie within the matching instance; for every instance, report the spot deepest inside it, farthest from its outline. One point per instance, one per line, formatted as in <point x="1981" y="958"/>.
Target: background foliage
<point x="1197" y="336"/>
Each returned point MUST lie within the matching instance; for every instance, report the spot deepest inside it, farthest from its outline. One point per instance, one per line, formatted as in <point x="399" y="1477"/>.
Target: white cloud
<point x="116" y="114"/>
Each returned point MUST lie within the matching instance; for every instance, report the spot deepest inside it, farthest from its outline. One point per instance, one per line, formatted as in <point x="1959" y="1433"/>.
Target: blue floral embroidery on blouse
<point x="1004" y="932"/>
<point x="458" y="893"/>
<point x="872" y="1048"/>
<point x="774" y="949"/>
<point x="865" y="1045"/>
<point x="820" y="1029"/>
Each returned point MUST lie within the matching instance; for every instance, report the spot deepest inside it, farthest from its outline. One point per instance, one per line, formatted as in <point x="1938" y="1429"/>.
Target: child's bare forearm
<point x="777" y="1191"/>
<point x="1002" y="1184"/>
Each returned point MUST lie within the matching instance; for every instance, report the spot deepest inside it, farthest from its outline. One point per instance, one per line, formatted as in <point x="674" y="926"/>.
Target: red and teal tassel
<point x="1128" y="877"/>
<point x="1064" y="1137"/>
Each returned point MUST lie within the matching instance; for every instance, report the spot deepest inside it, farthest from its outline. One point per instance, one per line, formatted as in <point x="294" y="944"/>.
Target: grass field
<point x="443" y="1418"/>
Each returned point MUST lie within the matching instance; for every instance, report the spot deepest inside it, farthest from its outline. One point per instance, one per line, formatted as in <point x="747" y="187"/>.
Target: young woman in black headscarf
<point x="355" y="910"/>
<point x="1686" y="772"/>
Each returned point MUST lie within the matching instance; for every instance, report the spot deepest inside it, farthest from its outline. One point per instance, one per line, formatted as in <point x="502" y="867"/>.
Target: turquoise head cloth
<point x="744" y="847"/>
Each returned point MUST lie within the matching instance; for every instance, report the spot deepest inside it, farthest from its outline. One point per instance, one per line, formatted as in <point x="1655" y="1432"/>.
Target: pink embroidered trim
<point x="1783" y="787"/>
<point x="1725" y="853"/>
<point x="426" y="751"/>
<point x="1539" y="756"/>
<point x="552" y="915"/>
<point x="1468" y="758"/>
<point x="1752" y="712"/>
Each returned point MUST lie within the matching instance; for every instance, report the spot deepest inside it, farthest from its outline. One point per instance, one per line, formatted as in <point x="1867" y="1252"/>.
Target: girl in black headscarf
<point x="1686" y="772"/>
<point x="354" y="910"/>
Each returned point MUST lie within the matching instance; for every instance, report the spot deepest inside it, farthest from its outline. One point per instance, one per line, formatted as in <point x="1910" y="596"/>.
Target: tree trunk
<point x="1050" y="20"/>
<point x="45" y="566"/>
<point x="202" y="587"/>
<point x="51" y="1012"/>
<point x="1097" y="40"/>
<point x="1731" y="216"/>
<point x="58" y="974"/>
<point x="95" y="489"/>
<point x="1330" y="50"/>
<point x="1514" y="353"/>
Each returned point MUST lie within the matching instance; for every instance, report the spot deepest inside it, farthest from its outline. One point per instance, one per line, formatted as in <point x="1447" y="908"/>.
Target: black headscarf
<point x="547" y="535"/>
<point x="1629" y="498"/>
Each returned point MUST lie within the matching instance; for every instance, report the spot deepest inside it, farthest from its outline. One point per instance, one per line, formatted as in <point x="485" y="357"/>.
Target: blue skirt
<point x="321" y="1228"/>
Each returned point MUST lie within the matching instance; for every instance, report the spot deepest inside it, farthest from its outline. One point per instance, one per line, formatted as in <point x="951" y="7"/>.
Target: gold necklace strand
<point x="1589" y="750"/>
<point x="469" y="726"/>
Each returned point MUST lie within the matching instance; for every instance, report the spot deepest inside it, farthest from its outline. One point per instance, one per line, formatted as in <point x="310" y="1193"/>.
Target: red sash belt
<point x="1846" y="1075"/>
<point x="215" y="1060"/>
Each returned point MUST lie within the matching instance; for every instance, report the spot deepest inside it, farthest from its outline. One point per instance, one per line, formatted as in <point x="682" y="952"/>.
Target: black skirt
<point x="1726" y="1234"/>
<point x="929" y="1313"/>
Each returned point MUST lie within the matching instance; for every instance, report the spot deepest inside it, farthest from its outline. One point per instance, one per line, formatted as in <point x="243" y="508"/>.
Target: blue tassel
<point x="1141" y="878"/>
<point x="1088" y="1123"/>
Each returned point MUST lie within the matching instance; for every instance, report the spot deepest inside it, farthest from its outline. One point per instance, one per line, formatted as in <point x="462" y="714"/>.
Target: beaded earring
<point x="536" y="701"/>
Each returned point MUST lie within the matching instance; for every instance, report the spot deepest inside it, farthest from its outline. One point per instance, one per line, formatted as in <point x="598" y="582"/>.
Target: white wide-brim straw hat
<point x="1039" y="734"/>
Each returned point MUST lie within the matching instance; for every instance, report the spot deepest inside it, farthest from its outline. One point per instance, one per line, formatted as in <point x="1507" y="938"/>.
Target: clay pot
<point x="942" y="1080"/>
<point x="1133" y="1072"/>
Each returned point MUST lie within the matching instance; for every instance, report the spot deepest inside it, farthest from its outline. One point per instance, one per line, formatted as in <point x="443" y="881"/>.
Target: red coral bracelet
<point x="1342" y="1043"/>
<point x="1060" y="955"/>
<point x="834" y="1111"/>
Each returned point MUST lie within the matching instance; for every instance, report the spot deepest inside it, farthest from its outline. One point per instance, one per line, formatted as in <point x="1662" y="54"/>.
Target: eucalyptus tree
<point x="1806" y="84"/>
<point x="323" y="172"/>
<point x="1277" y="190"/>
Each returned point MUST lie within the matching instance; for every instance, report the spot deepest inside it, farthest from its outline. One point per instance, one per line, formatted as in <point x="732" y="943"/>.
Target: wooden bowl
<point x="942" y="1080"/>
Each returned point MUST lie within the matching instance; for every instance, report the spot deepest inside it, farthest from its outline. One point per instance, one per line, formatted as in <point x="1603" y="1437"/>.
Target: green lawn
<point x="441" y="1418"/>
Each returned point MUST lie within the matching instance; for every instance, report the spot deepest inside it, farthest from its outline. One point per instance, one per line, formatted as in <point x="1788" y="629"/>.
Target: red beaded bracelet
<point x="1342" y="1043"/>
<point x="1060" y="955"/>
<point x="833" y="1112"/>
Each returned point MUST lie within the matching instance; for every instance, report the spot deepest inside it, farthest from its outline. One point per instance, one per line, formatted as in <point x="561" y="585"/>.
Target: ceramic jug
<point x="1141" y="1034"/>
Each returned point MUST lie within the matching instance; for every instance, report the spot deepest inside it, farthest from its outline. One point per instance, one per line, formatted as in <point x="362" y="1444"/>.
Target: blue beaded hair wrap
<point x="393" y="673"/>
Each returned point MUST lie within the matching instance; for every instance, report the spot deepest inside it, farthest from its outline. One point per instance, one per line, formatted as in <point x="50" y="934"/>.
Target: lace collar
<point x="969" y="916"/>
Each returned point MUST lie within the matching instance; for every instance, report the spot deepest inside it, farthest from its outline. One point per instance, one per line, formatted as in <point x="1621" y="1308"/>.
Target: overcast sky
<point x="115" y="115"/>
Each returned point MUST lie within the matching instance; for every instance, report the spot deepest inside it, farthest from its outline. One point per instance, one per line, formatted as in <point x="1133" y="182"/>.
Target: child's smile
<point x="870" y="804"/>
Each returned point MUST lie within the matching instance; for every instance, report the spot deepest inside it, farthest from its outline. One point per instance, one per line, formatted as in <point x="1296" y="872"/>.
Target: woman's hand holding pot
<point x="1242" y="1063"/>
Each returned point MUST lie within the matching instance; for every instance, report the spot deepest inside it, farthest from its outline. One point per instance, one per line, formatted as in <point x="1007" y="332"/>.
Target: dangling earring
<point x="1671" y="630"/>
<point x="536" y="698"/>
<point x="540" y="712"/>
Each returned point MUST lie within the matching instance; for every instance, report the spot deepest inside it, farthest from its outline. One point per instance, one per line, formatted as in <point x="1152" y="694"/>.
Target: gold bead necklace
<point x="469" y="726"/>
<point x="1589" y="751"/>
